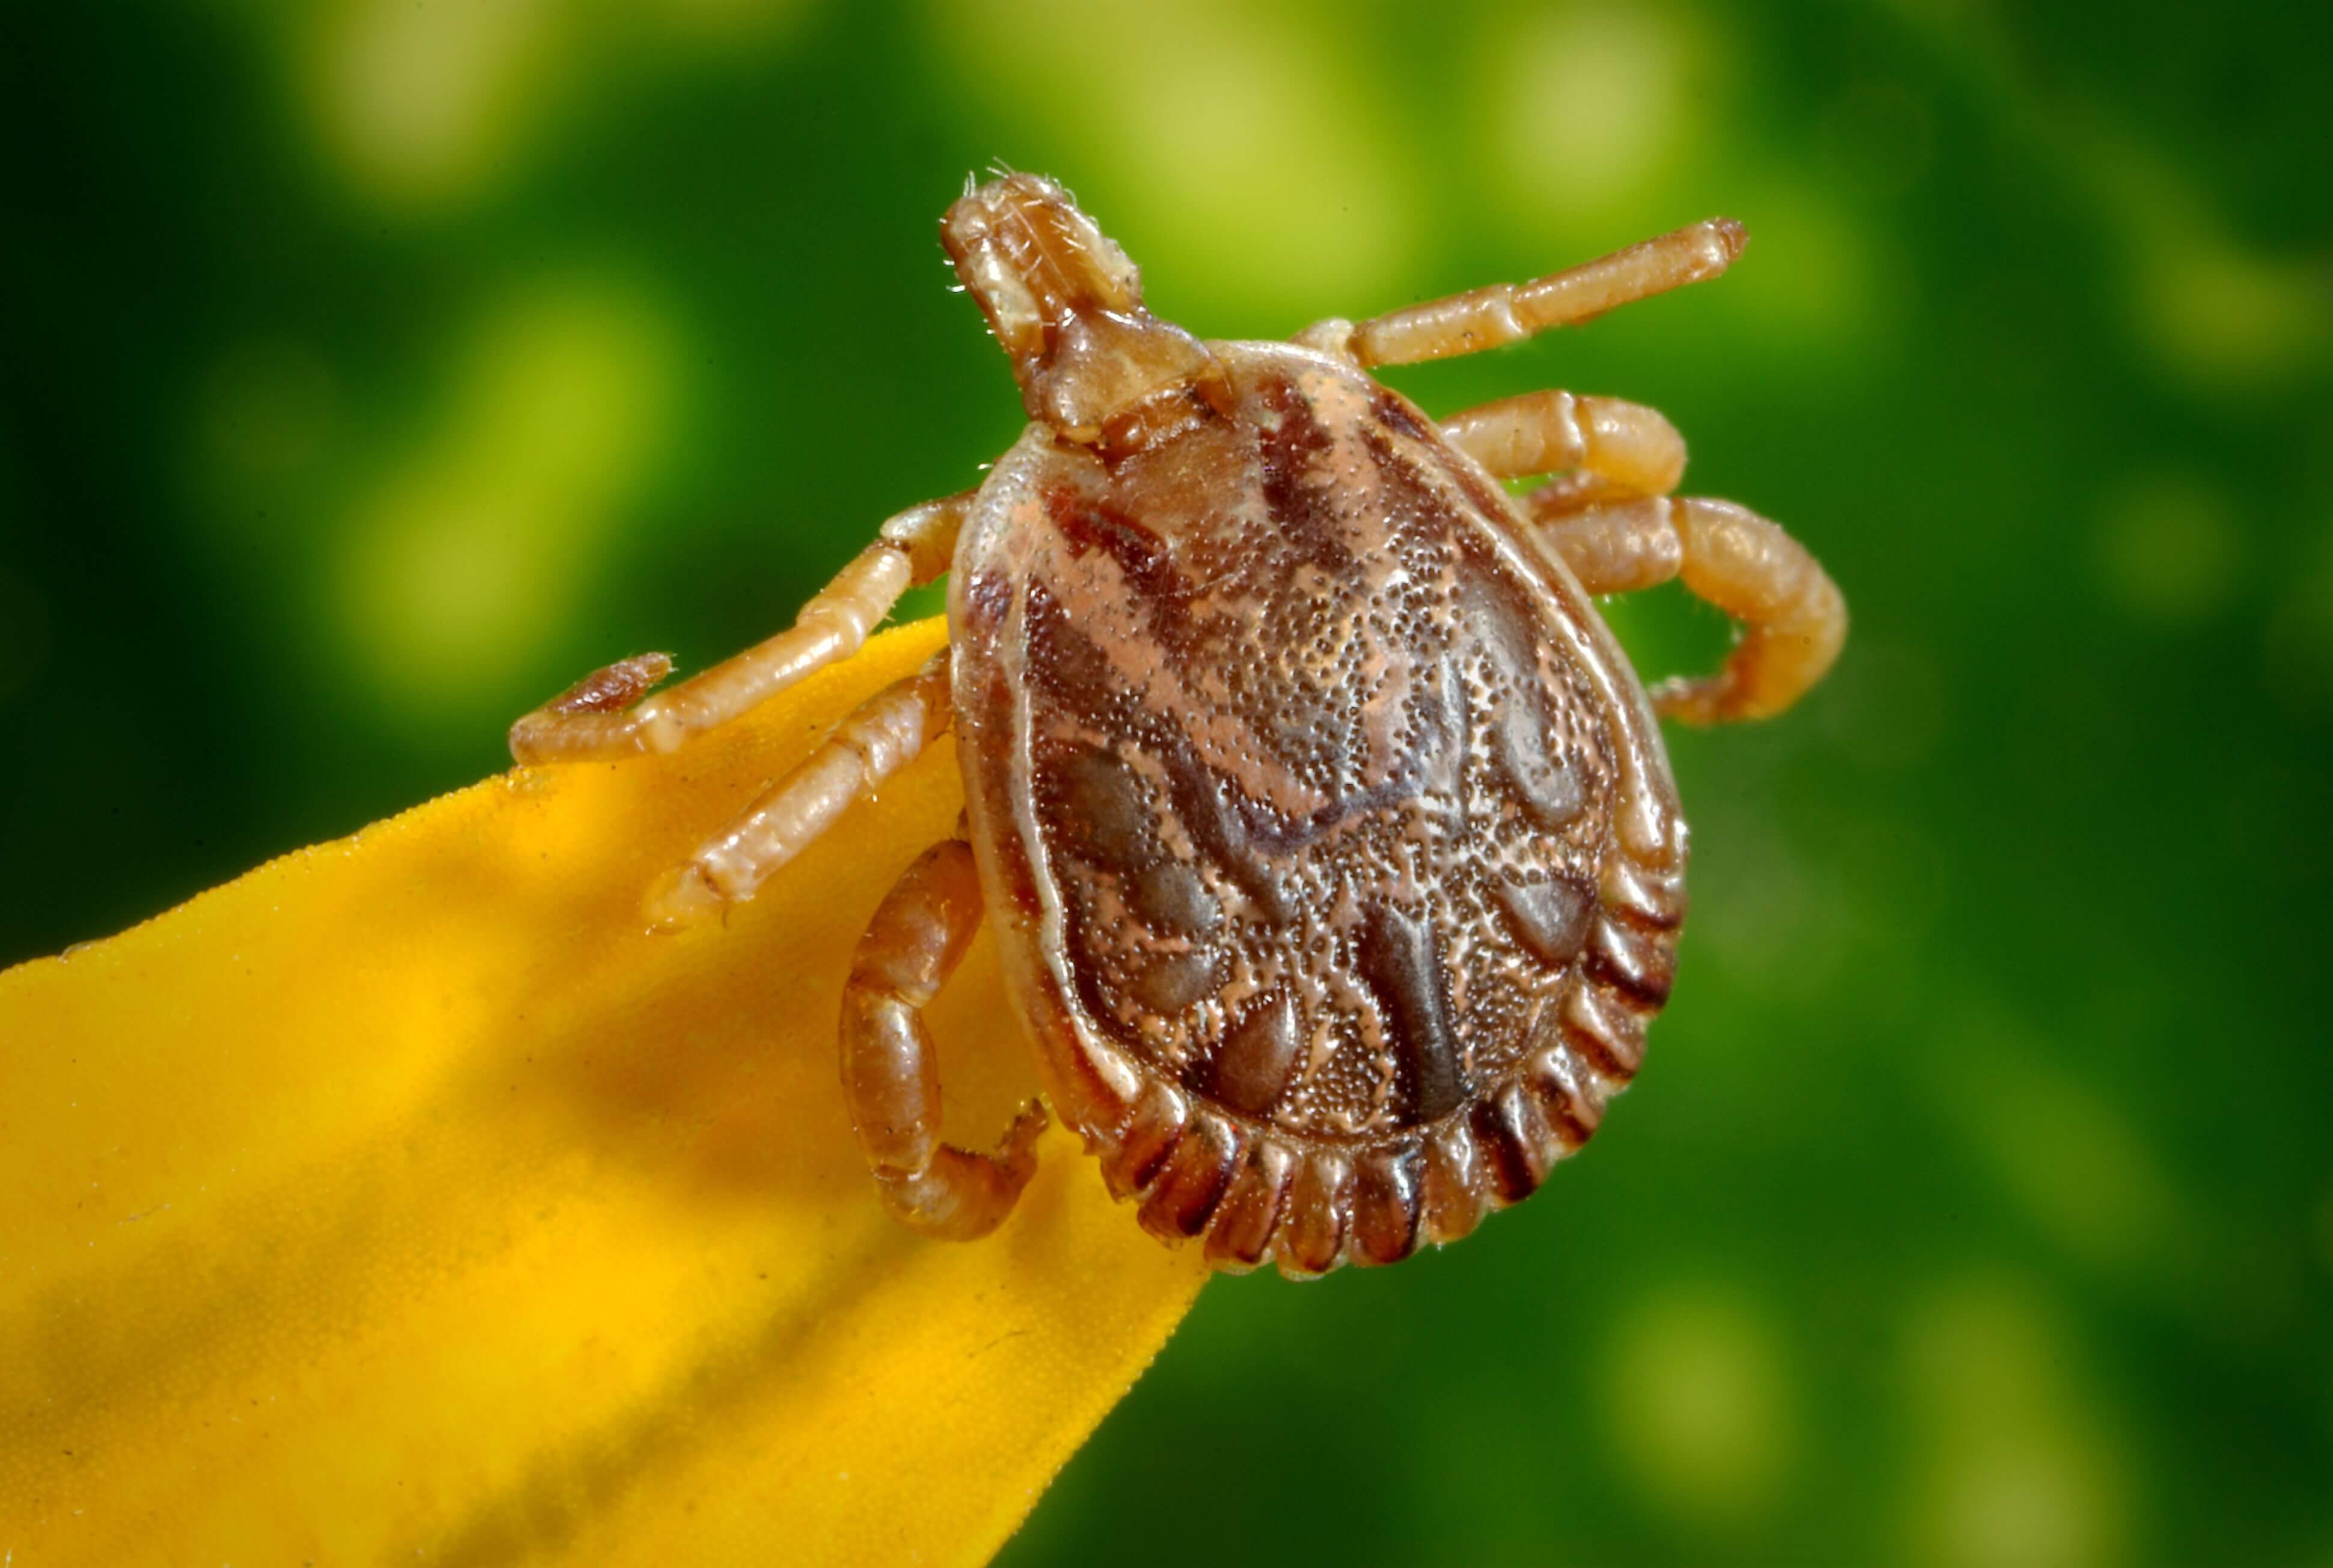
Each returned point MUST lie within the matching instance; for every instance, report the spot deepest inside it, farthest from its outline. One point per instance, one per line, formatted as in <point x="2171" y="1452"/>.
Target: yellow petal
<point x="404" y="1200"/>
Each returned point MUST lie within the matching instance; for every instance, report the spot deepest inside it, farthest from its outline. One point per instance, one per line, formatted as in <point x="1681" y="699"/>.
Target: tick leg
<point x="882" y="735"/>
<point x="602" y="715"/>
<point x="1489" y="318"/>
<point x="1609" y="516"/>
<point x="1792" y="616"/>
<point x="891" y="1080"/>
<point x="1614" y="450"/>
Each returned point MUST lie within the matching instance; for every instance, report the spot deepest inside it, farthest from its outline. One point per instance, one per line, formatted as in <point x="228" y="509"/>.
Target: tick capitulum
<point x="1326" y="834"/>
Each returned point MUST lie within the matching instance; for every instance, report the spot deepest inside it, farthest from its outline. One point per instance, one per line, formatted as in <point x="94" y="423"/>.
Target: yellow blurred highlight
<point x="405" y="1200"/>
<point x="1816" y="280"/>
<point x="2012" y="1471"/>
<point x="426" y="105"/>
<point x="1222" y="131"/>
<point x="476" y="548"/>
<point x="2167" y="547"/>
<point x="1699" y="1404"/>
<point x="2213" y="311"/>
<point x="2224" y="316"/>
<point x="422" y="102"/>
<point x="1595" y="106"/>
<point x="1600" y="118"/>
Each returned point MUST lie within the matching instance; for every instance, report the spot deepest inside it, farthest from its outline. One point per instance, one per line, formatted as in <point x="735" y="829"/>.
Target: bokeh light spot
<point x="2167" y="548"/>
<point x="1210" y="129"/>
<point x="2222" y="315"/>
<point x="422" y="102"/>
<point x="2014" y="1470"/>
<point x="1595" y="106"/>
<point x="2215" y="311"/>
<point x="1813" y="280"/>
<point x="1699" y="1405"/>
<point x="474" y="548"/>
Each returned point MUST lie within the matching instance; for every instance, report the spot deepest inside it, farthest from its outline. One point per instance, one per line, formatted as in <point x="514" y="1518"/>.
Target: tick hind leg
<point x="1793" y="619"/>
<point x="603" y="715"/>
<point x="880" y="736"/>
<point x="891" y="1080"/>
<point x="1609" y="516"/>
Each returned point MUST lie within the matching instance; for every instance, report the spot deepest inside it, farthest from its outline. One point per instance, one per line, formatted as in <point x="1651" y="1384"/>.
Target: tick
<point x="1328" y="836"/>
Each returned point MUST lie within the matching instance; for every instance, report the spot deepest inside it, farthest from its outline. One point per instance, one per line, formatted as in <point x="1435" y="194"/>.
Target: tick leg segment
<point x="1489" y="318"/>
<point x="891" y="1080"/>
<point x="881" y="735"/>
<point x="602" y="715"/>
<point x="1609" y="516"/>
<point x="1793" y="619"/>
<point x="1615" y="450"/>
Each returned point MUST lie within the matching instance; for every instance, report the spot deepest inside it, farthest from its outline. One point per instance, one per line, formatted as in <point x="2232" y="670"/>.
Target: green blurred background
<point x="374" y="367"/>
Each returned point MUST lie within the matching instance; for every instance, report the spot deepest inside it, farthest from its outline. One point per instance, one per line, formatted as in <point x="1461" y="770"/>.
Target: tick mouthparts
<point x="1034" y="261"/>
<point x="1066" y="304"/>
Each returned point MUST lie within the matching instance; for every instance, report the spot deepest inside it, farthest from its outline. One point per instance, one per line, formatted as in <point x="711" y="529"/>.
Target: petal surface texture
<point x="405" y="1199"/>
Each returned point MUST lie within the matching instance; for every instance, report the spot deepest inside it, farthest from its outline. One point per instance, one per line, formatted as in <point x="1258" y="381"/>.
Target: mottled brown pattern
<point x="1307" y="761"/>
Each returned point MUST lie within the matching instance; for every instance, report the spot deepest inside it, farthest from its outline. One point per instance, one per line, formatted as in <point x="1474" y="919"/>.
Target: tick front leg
<point x="891" y="1080"/>
<point x="1489" y="318"/>
<point x="602" y="715"/>
<point x="881" y="735"/>
<point x="1793" y="618"/>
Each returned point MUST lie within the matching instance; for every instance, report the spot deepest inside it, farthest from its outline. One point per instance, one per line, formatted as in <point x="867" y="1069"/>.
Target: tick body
<point x="1326" y="834"/>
